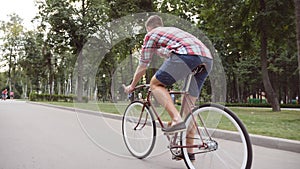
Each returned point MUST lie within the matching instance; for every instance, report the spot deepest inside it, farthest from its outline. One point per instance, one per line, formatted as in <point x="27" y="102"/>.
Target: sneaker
<point x="180" y="157"/>
<point x="175" y="128"/>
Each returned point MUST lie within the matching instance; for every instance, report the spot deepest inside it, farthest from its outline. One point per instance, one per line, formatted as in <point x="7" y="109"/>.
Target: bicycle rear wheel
<point x="139" y="129"/>
<point x="223" y="141"/>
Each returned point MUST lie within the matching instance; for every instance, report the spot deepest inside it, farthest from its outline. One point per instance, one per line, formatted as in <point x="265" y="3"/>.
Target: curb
<point x="258" y="140"/>
<point x="276" y="143"/>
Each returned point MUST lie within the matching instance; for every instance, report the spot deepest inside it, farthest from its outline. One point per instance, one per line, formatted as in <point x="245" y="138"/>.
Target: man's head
<point x="152" y="22"/>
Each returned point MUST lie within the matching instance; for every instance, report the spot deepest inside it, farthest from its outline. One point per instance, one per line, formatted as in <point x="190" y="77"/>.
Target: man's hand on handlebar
<point x="128" y="89"/>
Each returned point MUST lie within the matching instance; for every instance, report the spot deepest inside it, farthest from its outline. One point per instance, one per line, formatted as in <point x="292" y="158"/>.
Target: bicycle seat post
<point x="198" y="69"/>
<point x="188" y="82"/>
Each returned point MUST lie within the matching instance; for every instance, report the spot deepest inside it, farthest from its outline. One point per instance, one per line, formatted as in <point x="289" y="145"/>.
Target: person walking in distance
<point x="4" y="94"/>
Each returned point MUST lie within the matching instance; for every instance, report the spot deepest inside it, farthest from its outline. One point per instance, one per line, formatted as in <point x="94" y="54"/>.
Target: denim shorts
<point x="178" y="67"/>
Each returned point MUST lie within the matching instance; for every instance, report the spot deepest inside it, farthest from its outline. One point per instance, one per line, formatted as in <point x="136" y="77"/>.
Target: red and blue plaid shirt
<point x="166" y="40"/>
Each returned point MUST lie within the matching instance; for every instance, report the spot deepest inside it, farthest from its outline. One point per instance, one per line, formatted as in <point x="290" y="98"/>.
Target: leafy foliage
<point x="70" y="31"/>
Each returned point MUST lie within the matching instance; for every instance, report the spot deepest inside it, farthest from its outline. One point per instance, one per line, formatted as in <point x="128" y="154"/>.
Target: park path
<point x="40" y="137"/>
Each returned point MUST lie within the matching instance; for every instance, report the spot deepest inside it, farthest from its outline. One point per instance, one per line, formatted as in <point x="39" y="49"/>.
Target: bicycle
<point x="220" y="139"/>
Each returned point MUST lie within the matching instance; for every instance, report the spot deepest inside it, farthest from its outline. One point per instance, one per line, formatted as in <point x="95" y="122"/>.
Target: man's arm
<point x="139" y="72"/>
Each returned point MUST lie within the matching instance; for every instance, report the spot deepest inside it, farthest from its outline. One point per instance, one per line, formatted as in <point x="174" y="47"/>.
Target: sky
<point x="26" y="9"/>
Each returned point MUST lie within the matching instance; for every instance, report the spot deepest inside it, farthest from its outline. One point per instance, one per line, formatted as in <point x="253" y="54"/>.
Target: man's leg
<point x="163" y="97"/>
<point x="191" y="129"/>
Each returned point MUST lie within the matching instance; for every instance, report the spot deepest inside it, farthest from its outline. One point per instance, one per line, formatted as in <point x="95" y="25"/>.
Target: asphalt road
<point x="40" y="137"/>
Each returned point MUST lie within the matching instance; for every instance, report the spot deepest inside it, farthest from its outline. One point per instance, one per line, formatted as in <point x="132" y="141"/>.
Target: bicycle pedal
<point x="176" y="158"/>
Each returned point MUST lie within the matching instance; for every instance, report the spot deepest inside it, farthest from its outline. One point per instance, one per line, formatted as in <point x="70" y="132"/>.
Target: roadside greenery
<point x="260" y="121"/>
<point x="54" y="97"/>
<point x="263" y="121"/>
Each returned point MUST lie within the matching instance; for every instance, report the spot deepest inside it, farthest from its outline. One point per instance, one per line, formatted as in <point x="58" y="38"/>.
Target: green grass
<point x="261" y="121"/>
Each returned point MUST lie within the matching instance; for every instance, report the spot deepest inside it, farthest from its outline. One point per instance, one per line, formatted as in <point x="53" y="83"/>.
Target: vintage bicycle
<point x="220" y="140"/>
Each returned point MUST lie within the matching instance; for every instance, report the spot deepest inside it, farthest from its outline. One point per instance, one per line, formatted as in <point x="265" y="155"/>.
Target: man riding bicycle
<point x="183" y="53"/>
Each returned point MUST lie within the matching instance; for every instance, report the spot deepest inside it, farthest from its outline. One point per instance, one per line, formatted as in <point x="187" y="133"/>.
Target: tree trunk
<point x="9" y="70"/>
<point x="112" y="87"/>
<point x="297" y="11"/>
<point x="79" y="77"/>
<point x="237" y="90"/>
<point x="271" y="94"/>
<point x="79" y="45"/>
<point x="49" y="64"/>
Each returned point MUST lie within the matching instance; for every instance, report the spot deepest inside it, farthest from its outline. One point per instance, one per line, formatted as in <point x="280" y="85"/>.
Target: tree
<point x="72" y="23"/>
<point x="233" y="27"/>
<point x="12" y="45"/>
<point x="271" y="94"/>
<point x="224" y="23"/>
<point x="122" y="41"/>
<point x="33" y="63"/>
<point x="297" y="12"/>
<point x="276" y="29"/>
<point x="245" y="33"/>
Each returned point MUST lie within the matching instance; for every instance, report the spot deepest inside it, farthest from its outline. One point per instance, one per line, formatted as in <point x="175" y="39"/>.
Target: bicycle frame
<point x="204" y="132"/>
<point x="186" y="101"/>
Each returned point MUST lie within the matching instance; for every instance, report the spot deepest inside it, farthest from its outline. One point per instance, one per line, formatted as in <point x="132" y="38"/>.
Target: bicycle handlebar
<point x="141" y="86"/>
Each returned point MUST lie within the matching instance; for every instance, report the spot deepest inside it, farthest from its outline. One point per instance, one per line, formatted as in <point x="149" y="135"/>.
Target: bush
<point x="257" y="101"/>
<point x="33" y="96"/>
<point x="261" y="105"/>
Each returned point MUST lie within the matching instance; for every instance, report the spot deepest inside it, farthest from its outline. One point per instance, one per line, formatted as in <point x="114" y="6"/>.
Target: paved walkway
<point x="34" y="136"/>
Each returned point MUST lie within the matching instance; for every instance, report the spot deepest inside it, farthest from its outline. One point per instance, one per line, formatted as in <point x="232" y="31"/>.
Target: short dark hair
<point x="154" y="21"/>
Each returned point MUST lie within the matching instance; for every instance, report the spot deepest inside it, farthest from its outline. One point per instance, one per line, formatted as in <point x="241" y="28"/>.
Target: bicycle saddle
<point x="199" y="69"/>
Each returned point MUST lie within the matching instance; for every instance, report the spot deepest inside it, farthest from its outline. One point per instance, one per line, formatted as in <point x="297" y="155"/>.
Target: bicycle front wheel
<point x="139" y="129"/>
<point x="220" y="139"/>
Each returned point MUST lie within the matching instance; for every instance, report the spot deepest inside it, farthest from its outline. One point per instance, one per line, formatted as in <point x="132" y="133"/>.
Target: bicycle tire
<point x="139" y="141"/>
<point x="229" y="148"/>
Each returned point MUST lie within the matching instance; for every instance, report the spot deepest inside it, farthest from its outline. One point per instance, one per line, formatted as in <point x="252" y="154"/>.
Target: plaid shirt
<point x="166" y="40"/>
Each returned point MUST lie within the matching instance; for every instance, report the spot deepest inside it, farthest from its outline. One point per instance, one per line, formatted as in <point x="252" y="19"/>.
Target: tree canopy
<point x="255" y="40"/>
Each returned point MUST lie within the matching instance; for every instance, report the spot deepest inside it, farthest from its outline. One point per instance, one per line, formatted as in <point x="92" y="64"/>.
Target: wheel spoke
<point x="221" y="127"/>
<point x="138" y="130"/>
